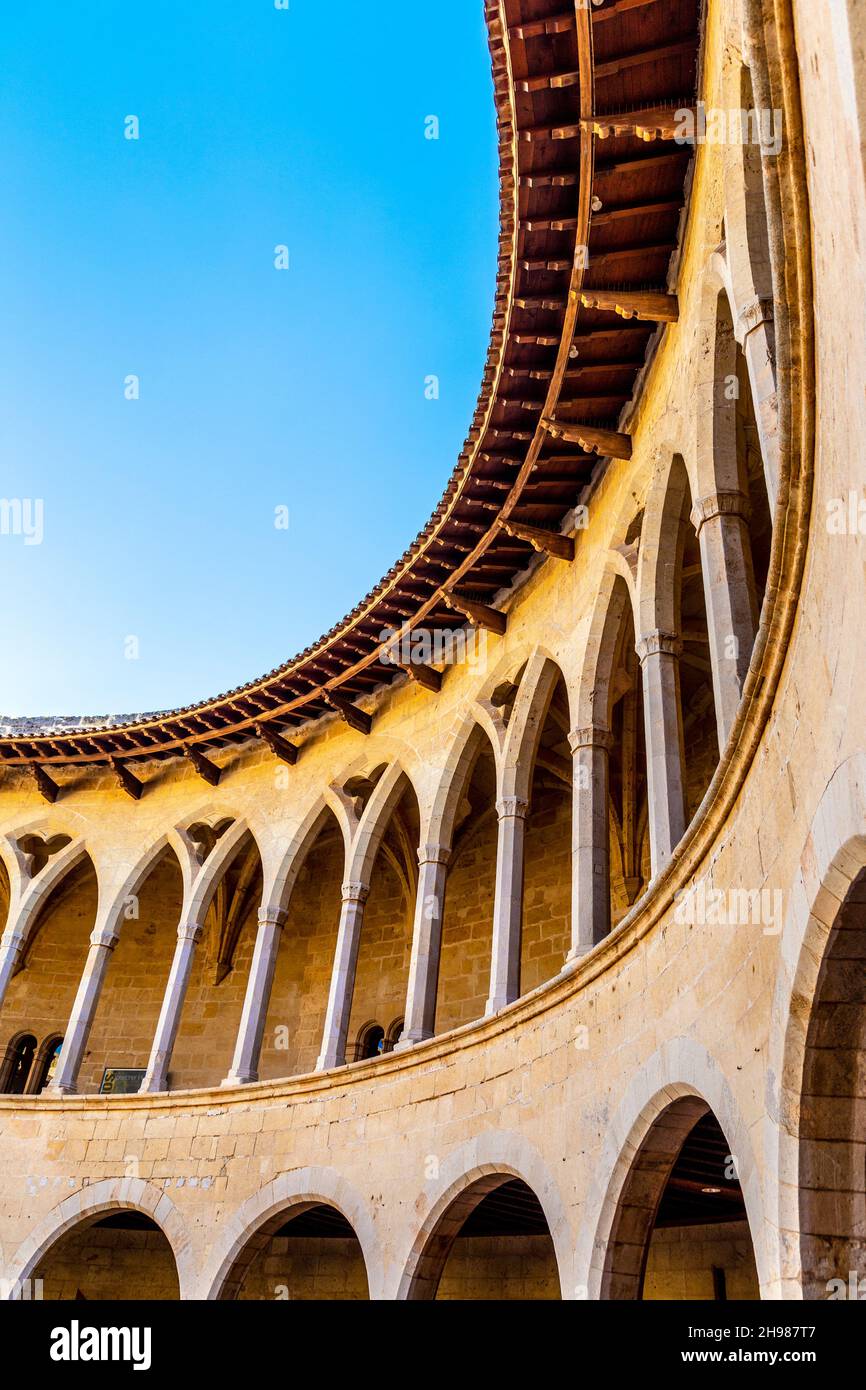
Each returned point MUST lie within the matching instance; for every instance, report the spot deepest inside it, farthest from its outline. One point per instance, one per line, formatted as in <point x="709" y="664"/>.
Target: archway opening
<point x="467" y="920"/>
<point x="119" y="1255"/>
<point x="299" y="996"/>
<point x="41" y="993"/>
<point x="218" y="979"/>
<point x="493" y="1243"/>
<point x="310" y="1252"/>
<point x="131" y="997"/>
<point x="546" y="935"/>
<point x="832" y="1145"/>
<point x="385" y="945"/>
<point x="628" y="823"/>
<point x="680" y="1230"/>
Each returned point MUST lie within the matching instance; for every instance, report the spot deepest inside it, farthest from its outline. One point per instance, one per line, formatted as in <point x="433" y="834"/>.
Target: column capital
<point x="590" y="736"/>
<point x="104" y="936"/>
<point x="272" y="916"/>
<point x="434" y="854"/>
<point x="734" y="503"/>
<point x="355" y="892"/>
<point x="653" y="643"/>
<point x="512" y="806"/>
<point x="190" y="931"/>
<point x="760" y="310"/>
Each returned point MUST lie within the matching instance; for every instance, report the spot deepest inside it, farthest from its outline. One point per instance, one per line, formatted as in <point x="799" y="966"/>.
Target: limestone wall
<point x="561" y="1087"/>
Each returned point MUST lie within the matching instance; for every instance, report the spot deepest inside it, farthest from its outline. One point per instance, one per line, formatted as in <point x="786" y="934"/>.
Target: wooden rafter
<point x="634" y="304"/>
<point x="607" y="443"/>
<point x="552" y="542"/>
<point x="356" y="719"/>
<point x="288" y="752"/>
<point x="478" y="613"/>
<point x="125" y="779"/>
<point x="203" y="766"/>
<point x="46" y="785"/>
<point x="652" y="123"/>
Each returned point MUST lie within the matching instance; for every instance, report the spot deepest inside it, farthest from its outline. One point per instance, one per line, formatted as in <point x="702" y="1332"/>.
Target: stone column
<point x="11" y="950"/>
<point x="333" y="1053"/>
<point x="659" y="656"/>
<point x="102" y="944"/>
<point x="756" y="333"/>
<point x="426" y="946"/>
<point x="721" y="521"/>
<point x="507" y="904"/>
<point x="156" y="1077"/>
<point x="590" y="839"/>
<point x="245" y="1063"/>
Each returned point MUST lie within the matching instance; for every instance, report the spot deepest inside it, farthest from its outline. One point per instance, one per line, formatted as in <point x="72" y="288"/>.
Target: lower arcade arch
<point x="120" y="1254"/>
<point x="832" y="1130"/>
<point x="307" y="1251"/>
<point x="680" y="1229"/>
<point x="493" y="1242"/>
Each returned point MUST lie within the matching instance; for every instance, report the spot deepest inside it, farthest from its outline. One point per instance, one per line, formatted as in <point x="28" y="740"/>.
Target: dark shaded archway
<point x="119" y="1256"/>
<point x="493" y="1243"/>
<point x="832" y="1147"/>
<point x="680" y="1230"/>
<point x="310" y="1252"/>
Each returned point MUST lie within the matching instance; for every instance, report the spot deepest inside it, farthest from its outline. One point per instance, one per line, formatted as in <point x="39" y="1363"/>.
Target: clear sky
<point x="259" y="388"/>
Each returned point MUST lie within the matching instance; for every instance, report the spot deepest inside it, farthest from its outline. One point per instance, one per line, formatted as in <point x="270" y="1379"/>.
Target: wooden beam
<point x="280" y="746"/>
<point x="46" y="785"/>
<point x="640" y="57"/>
<point x="478" y="613"/>
<point x="131" y="785"/>
<point x="203" y="766"/>
<point x="653" y="123"/>
<point x="634" y="304"/>
<point x="608" y="443"/>
<point x="550" y="541"/>
<point x="428" y="676"/>
<point x="356" y="719"/>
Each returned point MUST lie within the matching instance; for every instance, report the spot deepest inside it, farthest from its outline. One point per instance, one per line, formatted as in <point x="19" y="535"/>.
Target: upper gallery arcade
<point x="466" y="878"/>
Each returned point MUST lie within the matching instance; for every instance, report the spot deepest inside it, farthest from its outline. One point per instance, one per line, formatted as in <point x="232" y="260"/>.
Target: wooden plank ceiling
<point x="593" y="186"/>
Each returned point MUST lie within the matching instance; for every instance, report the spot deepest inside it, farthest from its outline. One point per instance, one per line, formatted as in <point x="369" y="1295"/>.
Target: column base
<point x="239" y="1079"/>
<point x="329" y="1063"/>
<point x="153" y="1085"/>
<point x="576" y="954"/>
<point x="409" y="1040"/>
<point x="494" y="1006"/>
<point x="67" y="1089"/>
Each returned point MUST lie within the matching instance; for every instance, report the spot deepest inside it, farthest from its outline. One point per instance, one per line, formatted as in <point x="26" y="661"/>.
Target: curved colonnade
<point x="530" y="975"/>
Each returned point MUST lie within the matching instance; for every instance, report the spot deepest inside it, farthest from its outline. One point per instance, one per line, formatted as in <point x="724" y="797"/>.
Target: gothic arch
<point x="304" y="1187"/>
<point x="680" y="1071"/>
<point x="111" y="1194"/>
<point x="470" y="1172"/>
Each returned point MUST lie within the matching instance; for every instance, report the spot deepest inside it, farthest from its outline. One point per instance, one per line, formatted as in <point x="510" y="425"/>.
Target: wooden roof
<point x="592" y="186"/>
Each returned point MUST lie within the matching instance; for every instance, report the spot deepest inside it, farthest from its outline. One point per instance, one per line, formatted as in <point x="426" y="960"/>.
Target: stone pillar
<point x="659" y="656"/>
<point x="11" y="950"/>
<point x="102" y="944"/>
<point x="507" y="904"/>
<point x="426" y="946"/>
<point x="721" y="521"/>
<point x="245" y="1063"/>
<point x="156" y="1077"/>
<point x="333" y="1053"/>
<point x="756" y="332"/>
<point x="590" y="839"/>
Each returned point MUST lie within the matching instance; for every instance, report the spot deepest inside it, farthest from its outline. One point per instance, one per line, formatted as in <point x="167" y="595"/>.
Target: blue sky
<point x="259" y="388"/>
